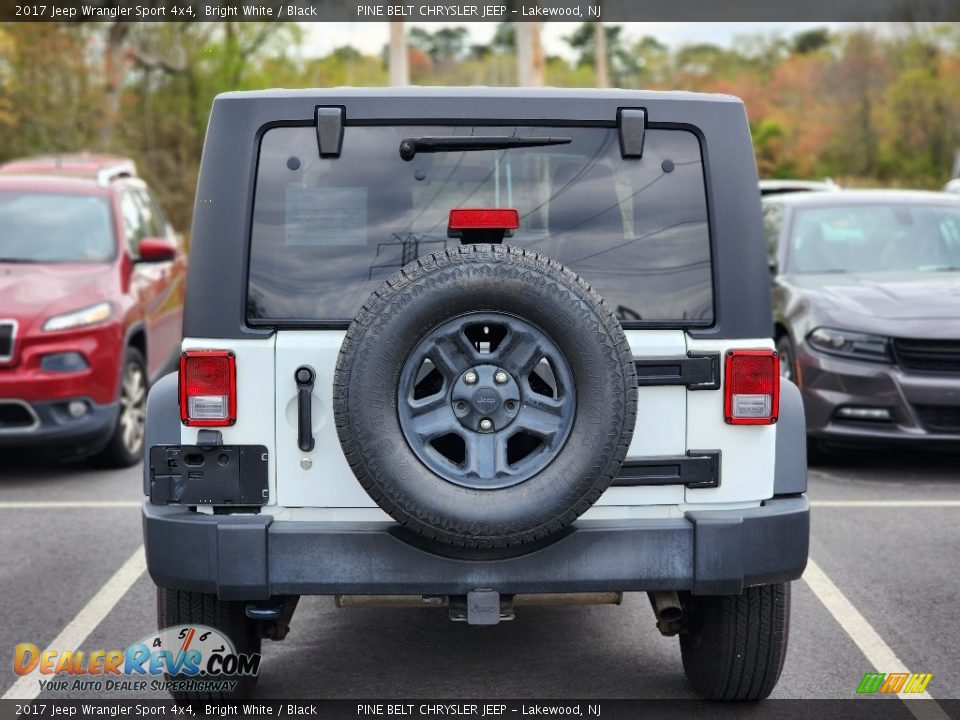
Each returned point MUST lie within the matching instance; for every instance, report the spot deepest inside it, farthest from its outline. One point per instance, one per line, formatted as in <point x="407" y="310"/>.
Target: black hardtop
<point x="217" y="277"/>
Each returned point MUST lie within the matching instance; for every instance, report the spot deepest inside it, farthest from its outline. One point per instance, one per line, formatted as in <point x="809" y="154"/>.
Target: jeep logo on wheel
<point x="486" y="400"/>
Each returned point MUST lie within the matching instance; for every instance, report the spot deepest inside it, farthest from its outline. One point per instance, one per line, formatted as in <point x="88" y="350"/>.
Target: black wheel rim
<point x="486" y="400"/>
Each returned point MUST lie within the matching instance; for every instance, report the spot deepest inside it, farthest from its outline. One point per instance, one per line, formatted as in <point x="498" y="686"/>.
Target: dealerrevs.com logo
<point x="894" y="683"/>
<point x="183" y="658"/>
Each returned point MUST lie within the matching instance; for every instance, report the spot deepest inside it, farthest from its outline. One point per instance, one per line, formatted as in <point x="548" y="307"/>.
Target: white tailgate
<point x="670" y="421"/>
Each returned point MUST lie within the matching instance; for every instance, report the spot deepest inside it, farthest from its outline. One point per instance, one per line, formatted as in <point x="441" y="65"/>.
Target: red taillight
<point x="751" y="390"/>
<point x="208" y="388"/>
<point x="484" y="219"/>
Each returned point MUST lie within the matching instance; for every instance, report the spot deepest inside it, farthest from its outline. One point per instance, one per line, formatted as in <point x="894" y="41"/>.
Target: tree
<point x="707" y="59"/>
<point x="769" y="143"/>
<point x="859" y="75"/>
<point x="399" y="59"/>
<point x="621" y="61"/>
<point x="114" y="67"/>
<point x="449" y="44"/>
<point x="810" y="41"/>
<point x="505" y="38"/>
<point x="652" y="59"/>
<point x="445" y="47"/>
<point x="924" y="90"/>
<point x="600" y="57"/>
<point x="530" y="69"/>
<point x="861" y="104"/>
<point x="51" y="89"/>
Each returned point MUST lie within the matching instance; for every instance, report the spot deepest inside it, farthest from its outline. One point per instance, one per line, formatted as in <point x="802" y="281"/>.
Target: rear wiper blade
<point x="409" y="147"/>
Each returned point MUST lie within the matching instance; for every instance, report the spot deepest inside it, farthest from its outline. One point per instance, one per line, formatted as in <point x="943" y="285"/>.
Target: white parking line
<point x="886" y="503"/>
<point x="877" y="652"/>
<point x="67" y="504"/>
<point x="85" y="622"/>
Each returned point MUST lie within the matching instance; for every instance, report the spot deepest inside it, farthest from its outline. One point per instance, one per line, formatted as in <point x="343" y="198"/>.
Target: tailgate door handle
<point x="304" y="378"/>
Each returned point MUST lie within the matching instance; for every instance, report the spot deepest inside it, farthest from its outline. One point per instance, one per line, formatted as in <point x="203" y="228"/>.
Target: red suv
<point x="92" y="281"/>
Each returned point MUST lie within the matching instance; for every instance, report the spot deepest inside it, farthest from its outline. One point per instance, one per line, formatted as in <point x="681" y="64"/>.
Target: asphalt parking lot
<point x="882" y="593"/>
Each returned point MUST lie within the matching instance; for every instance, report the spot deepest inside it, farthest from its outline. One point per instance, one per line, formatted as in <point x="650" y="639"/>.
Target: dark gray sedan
<point x="866" y="296"/>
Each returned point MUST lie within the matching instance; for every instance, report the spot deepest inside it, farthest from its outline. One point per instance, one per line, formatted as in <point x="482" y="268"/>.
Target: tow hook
<point x="670" y="616"/>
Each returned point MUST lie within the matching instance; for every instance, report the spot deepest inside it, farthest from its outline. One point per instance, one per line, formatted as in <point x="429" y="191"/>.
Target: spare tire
<point x="485" y="396"/>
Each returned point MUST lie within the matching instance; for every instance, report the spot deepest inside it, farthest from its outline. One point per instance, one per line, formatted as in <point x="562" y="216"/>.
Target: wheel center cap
<point x="486" y="400"/>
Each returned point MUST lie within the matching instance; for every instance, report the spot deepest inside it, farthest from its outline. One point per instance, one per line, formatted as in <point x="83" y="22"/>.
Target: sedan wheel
<point x="126" y="443"/>
<point x="133" y="405"/>
<point x="788" y="361"/>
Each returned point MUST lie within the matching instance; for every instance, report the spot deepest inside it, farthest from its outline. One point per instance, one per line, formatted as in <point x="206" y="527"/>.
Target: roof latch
<point x="329" y="131"/>
<point x="632" y="123"/>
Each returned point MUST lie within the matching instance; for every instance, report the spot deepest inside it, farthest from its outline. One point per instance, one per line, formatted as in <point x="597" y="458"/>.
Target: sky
<point x="370" y="37"/>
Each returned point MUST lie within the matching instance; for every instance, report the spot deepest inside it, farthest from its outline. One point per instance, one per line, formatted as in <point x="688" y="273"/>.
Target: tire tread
<point x="737" y="644"/>
<point x="181" y="607"/>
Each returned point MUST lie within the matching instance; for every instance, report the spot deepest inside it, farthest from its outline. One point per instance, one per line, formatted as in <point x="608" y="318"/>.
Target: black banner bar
<point x="887" y="708"/>
<point x="479" y="11"/>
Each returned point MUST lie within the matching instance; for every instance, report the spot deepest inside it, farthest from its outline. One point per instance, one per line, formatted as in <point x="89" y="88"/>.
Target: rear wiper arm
<point x="409" y="147"/>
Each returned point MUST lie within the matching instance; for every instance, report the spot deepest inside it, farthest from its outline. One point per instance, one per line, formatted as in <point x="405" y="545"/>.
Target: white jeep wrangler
<point x="480" y="348"/>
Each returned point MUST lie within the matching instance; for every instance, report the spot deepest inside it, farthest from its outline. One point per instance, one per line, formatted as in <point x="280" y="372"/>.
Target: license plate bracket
<point x="208" y="475"/>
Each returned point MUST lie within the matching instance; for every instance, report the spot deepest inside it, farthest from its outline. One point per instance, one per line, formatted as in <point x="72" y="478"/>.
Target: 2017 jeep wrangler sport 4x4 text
<point x="479" y="348"/>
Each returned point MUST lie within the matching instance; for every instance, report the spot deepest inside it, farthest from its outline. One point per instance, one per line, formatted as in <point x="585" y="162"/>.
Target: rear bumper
<point x="253" y="557"/>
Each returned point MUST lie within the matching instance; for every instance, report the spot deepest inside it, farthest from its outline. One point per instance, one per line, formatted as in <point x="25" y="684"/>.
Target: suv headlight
<point x="860" y="346"/>
<point x="79" y="318"/>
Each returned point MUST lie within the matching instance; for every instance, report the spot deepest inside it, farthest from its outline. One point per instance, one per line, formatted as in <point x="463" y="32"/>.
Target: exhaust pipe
<point x="669" y="611"/>
<point x="667" y="606"/>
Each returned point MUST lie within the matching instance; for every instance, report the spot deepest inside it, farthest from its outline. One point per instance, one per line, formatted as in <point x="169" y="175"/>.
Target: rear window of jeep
<point x="327" y="231"/>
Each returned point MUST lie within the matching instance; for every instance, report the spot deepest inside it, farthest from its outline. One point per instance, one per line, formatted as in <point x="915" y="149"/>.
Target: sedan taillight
<point x="208" y="388"/>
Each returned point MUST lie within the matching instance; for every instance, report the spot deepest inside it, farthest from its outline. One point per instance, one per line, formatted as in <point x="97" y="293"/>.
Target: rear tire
<point x="736" y="644"/>
<point x="178" y="607"/>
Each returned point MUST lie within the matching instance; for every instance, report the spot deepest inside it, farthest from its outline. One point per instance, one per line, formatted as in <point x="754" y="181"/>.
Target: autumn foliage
<point x="872" y="105"/>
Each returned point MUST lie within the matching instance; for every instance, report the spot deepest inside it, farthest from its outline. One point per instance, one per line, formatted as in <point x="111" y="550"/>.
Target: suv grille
<point x="16" y="415"/>
<point x="8" y="331"/>
<point x="939" y="418"/>
<point x="928" y="355"/>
